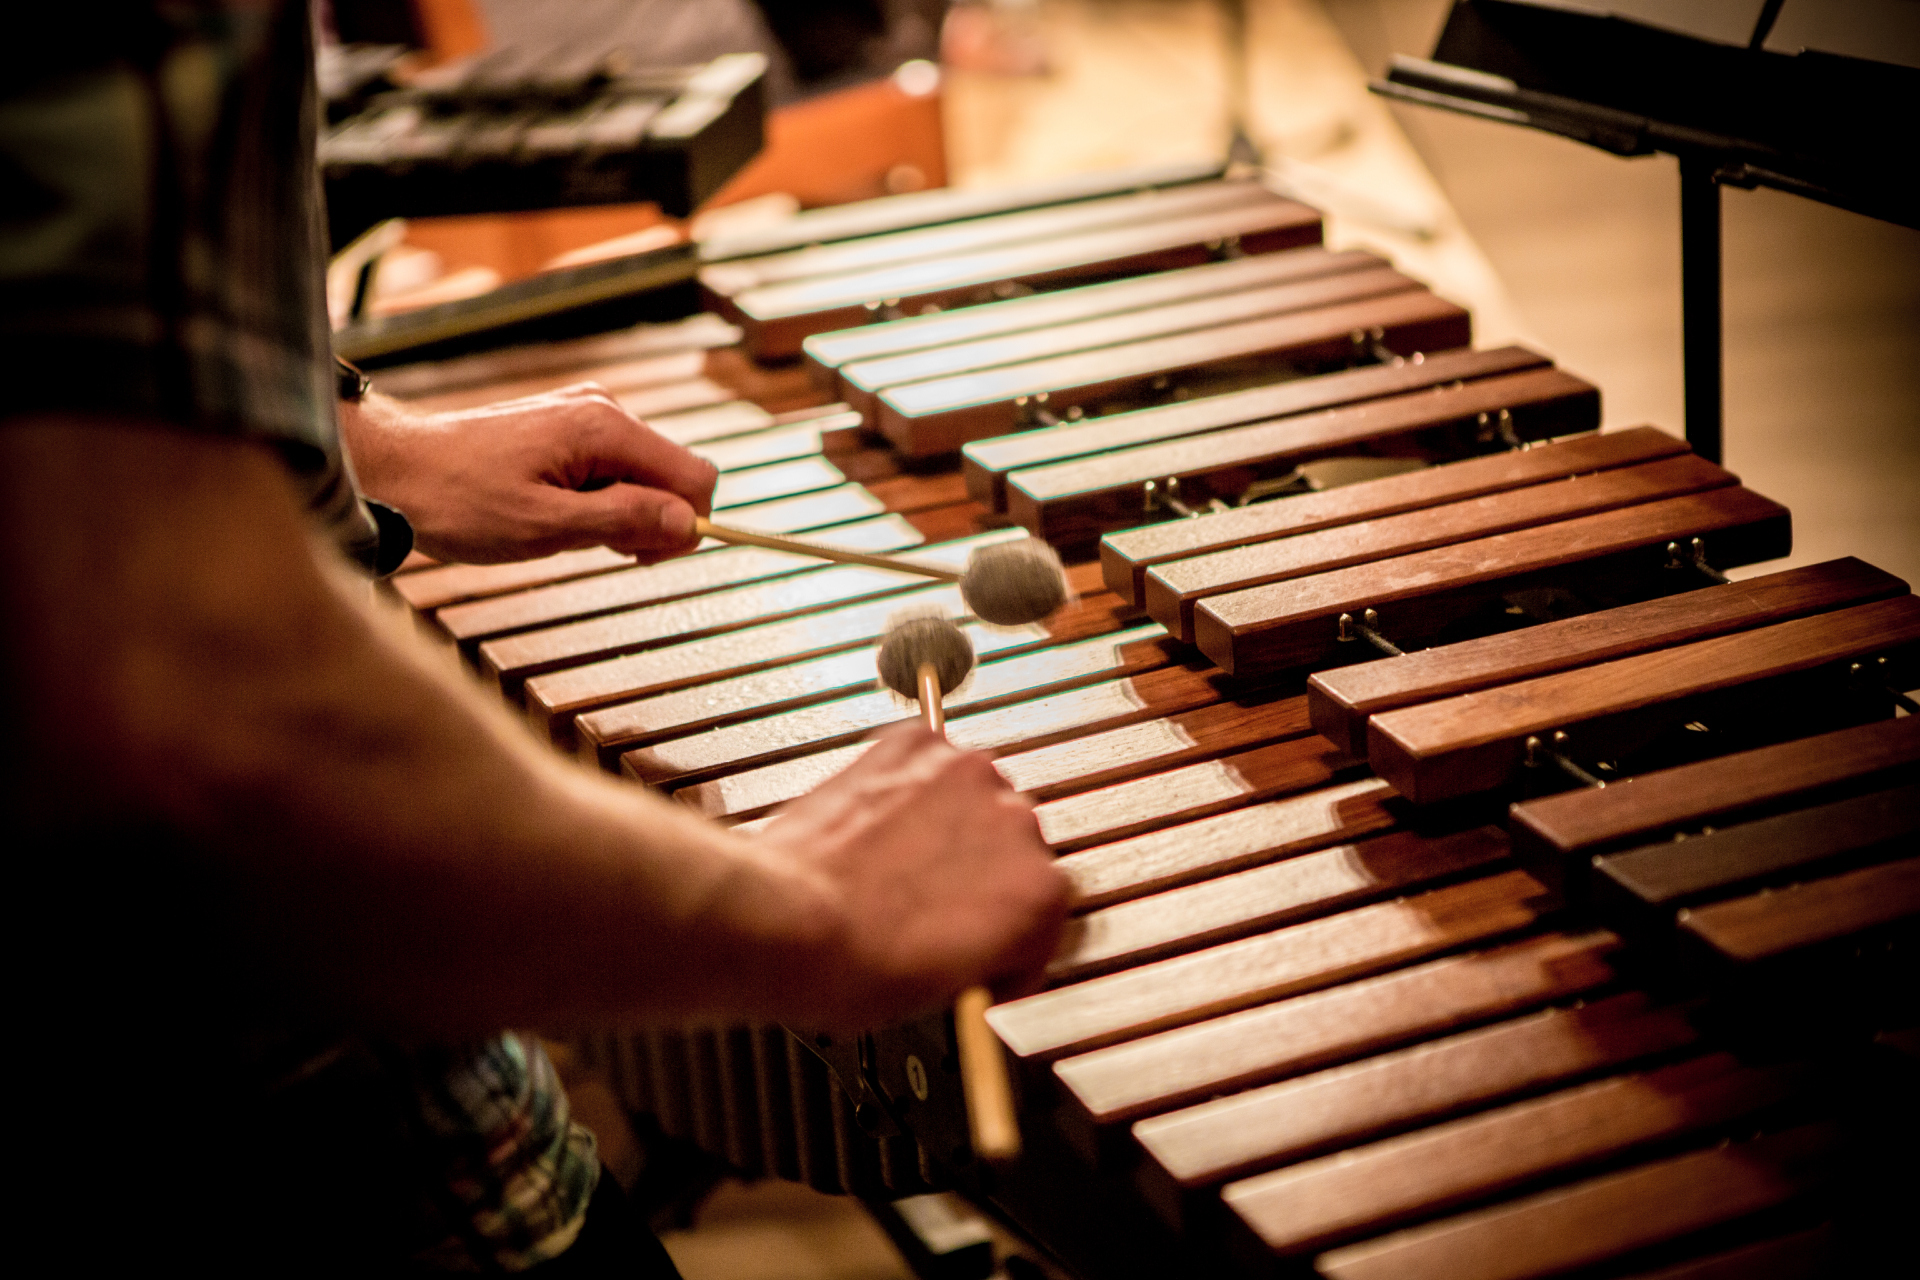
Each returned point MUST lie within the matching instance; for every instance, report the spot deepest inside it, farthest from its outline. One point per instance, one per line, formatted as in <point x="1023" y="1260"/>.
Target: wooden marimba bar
<point x="1370" y="975"/>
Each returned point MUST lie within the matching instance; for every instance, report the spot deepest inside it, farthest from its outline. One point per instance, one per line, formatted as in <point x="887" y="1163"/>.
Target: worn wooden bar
<point x="827" y="353"/>
<point x="1296" y="959"/>
<point x="553" y="699"/>
<point x="675" y="398"/>
<point x="694" y="427"/>
<point x="1135" y="656"/>
<point x="1641" y="888"/>
<point x="603" y="734"/>
<point x="710" y="570"/>
<point x="947" y="204"/>
<point x="1157" y="1073"/>
<point x="1134" y="763"/>
<point x="1280" y="893"/>
<point x="1195" y="790"/>
<point x="1192" y="1150"/>
<point x="1335" y="1198"/>
<point x="1127" y="555"/>
<point x="600" y="736"/>
<point x="1566" y="1229"/>
<point x="1477" y="741"/>
<point x="775" y="480"/>
<point x="777" y="443"/>
<point x="861" y="382"/>
<point x="727" y="279"/>
<point x="940" y="414"/>
<point x="1343" y="698"/>
<point x="1073" y="502"/>
<point x="1175" y="587"/>
<point x="823" y="509"/>
<point x="1293" y="623"/>
<point x="1565" y="830"/>
<point x="1152" y="746"/>
<point x="512" y="659"/>
<point x="986" y="463"/>
<point x="616" y="377"/>
<point x="498" y="373"/>
<point x="433" y="586"/>
<point x="1226" y="842"/>
<point x="1050" y="718"/>
<point x="1775" y="925"/>
<point x="778" y="316"/>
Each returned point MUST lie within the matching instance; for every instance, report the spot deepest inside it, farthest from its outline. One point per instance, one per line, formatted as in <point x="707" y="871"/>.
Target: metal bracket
<point x="1694" y="556"/>
<point x="1159" y="494"/>
<point x="1371" y="343"/>
<point x="1539" y="754"/>
<point x="1498" y="426"/>
<point x="1366" y="629"/>
<point x="853" y="1062"/>
<point x="1877" y="675"/>
<point x="1226" y="248"/>
<point x="1295" y="481"/>
<point x="1031" y="411"/>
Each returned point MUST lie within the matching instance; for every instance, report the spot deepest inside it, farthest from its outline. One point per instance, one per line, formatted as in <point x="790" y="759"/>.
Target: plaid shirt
<point x="517" y="1173"/>
<point x="161" y="258"/>
<point x="162" y="255"/>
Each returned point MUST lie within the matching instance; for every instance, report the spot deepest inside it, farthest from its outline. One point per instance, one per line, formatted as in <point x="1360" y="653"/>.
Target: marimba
<point x="1472" y="881"/>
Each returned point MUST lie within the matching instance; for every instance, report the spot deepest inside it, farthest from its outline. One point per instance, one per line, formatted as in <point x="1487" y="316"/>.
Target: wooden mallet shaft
<point x="983" y="1068"/>
<point x="742" y="537"/>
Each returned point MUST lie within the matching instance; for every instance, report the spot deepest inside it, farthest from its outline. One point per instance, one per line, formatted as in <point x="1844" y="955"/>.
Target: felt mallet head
<point x="924" y="639"/>
<point x="1010" y="584"/>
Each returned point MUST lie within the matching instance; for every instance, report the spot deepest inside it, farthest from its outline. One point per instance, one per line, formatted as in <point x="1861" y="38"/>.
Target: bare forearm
<point x="394" y="843"/>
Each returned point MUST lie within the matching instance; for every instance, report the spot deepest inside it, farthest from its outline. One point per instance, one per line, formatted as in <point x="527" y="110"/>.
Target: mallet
<point x="1007" y="584"/>
<point x="926" y="658"/>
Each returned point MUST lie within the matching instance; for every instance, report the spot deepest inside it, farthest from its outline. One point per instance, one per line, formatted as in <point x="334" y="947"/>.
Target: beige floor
<point x="1547" y="241"/>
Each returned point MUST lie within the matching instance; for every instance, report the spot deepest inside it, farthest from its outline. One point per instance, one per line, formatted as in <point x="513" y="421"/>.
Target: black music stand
<point x="1820" y="125"/>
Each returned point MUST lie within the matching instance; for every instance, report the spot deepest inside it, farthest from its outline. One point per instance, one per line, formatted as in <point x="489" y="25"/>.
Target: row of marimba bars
<point x="1864" y="584"/>
<point x="1189" y="418"/>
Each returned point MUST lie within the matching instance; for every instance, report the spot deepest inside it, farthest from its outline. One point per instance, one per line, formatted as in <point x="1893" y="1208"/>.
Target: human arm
<point x="528" y="477"/>
<point x="401" y="852"/>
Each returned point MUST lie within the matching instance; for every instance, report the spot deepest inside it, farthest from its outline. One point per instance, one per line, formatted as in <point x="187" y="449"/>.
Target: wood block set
<point x="1369" y="975"/>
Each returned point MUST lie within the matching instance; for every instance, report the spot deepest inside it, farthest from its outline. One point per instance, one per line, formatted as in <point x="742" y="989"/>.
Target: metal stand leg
<point x="1700" y="304"/>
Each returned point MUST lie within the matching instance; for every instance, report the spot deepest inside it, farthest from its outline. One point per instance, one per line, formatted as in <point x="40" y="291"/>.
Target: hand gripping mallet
<point x="926" y="658"/>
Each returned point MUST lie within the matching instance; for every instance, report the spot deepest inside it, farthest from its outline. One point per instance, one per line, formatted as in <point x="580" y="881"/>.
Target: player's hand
<point x="529" y="477"/>
<point x="939" y="875"/>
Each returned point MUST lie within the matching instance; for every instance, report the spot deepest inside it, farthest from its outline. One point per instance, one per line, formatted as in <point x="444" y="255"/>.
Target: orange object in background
<point x="879" y="138"/>
<point x="519" y="244"/>
<point x="449" y="29"/>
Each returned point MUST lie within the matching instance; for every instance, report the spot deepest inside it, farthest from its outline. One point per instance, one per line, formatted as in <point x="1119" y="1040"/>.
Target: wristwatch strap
<point x="350" y="383"/>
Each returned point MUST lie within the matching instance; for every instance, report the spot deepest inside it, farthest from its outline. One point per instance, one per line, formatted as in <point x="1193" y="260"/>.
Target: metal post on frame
<point x="1700" y="304"/>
